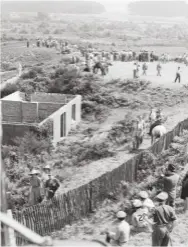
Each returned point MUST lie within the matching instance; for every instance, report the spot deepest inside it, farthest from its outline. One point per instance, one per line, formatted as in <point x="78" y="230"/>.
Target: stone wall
<point x="46" y="109"/>
<point x="47" y="97"/>
<point x="29" y="112"/>
<point x="11" y="111"/>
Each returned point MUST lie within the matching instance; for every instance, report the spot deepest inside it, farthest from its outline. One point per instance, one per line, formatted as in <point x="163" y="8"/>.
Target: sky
<point x="110" y="5"/>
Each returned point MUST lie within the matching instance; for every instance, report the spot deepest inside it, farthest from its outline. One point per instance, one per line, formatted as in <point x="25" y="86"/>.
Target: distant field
<point x="18" y="52"/>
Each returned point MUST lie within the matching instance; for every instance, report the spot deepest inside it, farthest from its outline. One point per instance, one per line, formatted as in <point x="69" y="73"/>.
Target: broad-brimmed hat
<point x="34" y="171"/>
<point x="47" y="167"/>
<point x="163" y="196"/>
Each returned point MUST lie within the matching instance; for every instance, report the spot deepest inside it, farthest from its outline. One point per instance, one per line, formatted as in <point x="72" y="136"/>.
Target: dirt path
<point x="124" y="70"/>
<point x="81" y="175"/>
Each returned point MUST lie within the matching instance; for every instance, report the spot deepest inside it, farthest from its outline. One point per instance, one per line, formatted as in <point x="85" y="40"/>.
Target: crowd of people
<point x="156" y="216"/>
<point x="94" y="59"/>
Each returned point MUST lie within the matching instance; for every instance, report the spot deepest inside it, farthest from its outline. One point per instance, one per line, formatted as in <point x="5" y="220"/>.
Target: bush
<point x="8" y="89"/>
<point x="33" y="143"/>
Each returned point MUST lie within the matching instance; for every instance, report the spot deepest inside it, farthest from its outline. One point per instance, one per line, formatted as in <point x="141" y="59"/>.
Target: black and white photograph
<point x="94" y="123"/>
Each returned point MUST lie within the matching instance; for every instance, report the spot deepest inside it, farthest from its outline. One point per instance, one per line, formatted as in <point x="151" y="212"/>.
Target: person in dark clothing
<point x="164" y="219"/>
<point x="170" y="181"/>
<point x="184" y="192"/>
<point x="178" y="75"/>
<point x="27" y="43"/>
<point x="51" y="186"/>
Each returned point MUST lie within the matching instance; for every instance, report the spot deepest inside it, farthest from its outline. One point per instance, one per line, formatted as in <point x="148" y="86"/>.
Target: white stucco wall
<point x="56" y="116"/>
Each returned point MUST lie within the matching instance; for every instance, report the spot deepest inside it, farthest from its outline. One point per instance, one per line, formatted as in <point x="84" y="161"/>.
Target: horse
<point x="157" y="132"/>
<point x="98" y="66"/>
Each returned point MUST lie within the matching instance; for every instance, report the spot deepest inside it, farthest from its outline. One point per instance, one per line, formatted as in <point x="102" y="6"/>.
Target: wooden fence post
<point x="12" y="239"/>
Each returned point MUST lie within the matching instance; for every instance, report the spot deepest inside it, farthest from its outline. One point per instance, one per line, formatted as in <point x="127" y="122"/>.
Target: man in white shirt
<point x="138" y="217"/>
<point x="121" y="235"/>
<point x="178" y="75"/>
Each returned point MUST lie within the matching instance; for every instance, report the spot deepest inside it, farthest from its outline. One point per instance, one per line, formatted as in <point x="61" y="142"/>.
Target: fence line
<point x="79" y="202"/>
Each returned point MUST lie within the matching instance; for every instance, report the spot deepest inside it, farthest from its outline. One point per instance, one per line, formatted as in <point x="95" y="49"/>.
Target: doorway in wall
<point x="74" y="112"/>
<point x="63" y="124"/>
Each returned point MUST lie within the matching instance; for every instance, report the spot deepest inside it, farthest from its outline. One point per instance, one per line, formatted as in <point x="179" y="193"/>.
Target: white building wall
<point x="56" y="116"/>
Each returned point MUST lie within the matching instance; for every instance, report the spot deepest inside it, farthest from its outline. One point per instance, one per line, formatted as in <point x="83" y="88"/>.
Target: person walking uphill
<point x="170" y="181"/>
<point x="121" y="236"/>
<point x="164" y="219"/>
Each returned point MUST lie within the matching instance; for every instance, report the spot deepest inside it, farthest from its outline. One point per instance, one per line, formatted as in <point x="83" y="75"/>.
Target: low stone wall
<point x="79" y="202"/>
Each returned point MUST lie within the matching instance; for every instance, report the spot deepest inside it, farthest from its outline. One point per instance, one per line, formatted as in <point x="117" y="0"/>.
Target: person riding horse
<point x="157" y="122"/>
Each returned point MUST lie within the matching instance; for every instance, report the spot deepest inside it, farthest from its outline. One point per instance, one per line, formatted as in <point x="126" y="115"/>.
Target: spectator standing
<point x="51" y="186"/>
<point x="178" y="75"/>
<point x="170" y="181"/>
<point x="159" y="67"/>
<point x="184" y="192"/>
<point x="134" y="70"/>
<point x="163" y="222"/>
<point x="144" y="68"/>
<point x="122" y="233"/>
<point x="35" y="189"/>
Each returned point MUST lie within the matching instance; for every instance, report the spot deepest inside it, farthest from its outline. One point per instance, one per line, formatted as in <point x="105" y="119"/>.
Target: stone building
<point x="21" y="112"/>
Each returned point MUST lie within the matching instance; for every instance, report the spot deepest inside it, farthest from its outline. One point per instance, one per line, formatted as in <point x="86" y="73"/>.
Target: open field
<point x="123" y="70"/>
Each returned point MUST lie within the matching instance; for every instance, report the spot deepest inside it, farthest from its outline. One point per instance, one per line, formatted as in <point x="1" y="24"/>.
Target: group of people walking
<point x="137" y="68"/>
<point x="42" y="186"/>
<point x="157" y="217"/>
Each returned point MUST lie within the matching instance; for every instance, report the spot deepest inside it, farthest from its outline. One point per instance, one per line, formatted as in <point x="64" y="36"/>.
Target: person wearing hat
<point x="163" y="222"/>
<point x="170" y="180"/>
<point x="51" y="186"/>
<point x="146" y="201"/>
<point x="35" y="190"/>
<point x="134" y="70"/>
<point x="138" y="217"/>
<point x="158" y="120"/>
<point x="121" y="235"/>
<point x="184" y="192"/>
